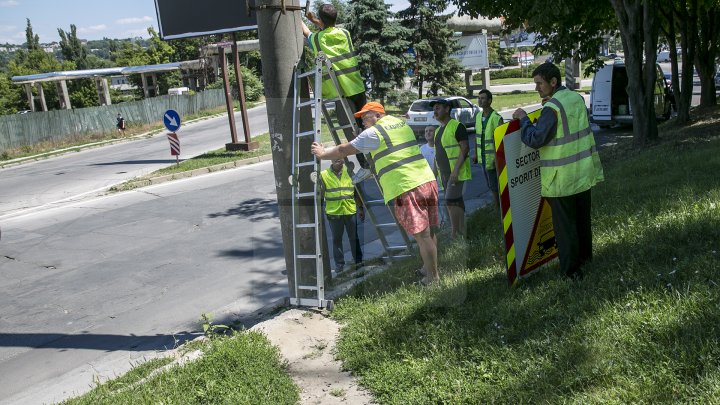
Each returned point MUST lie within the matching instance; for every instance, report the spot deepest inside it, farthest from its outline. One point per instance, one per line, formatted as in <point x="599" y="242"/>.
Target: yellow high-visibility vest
<point x="337" y="45"/>
<point x="569" y="163"/>
<point x="452" y="149"/>
<point x="485" y="144"/>
<point x="399" y="165"/>
<point x="339" y="192"/>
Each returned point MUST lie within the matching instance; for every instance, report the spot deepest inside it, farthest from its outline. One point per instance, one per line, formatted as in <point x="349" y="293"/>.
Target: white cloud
<point x="142" y="32"/>
<point x="93" y="28"/>
<point x="134" y="20"/>
<point x="7" y="28"/>
<point x="9" y="3"/>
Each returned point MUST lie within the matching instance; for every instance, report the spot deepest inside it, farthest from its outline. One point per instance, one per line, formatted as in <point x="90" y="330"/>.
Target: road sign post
<point x="171" y="119"/>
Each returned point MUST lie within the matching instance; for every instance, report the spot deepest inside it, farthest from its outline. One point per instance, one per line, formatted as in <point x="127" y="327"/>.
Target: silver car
<point x="420" y="114"/>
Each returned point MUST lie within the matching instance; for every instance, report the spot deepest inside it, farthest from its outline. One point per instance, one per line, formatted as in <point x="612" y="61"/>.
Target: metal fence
<point x="56" y="126"/>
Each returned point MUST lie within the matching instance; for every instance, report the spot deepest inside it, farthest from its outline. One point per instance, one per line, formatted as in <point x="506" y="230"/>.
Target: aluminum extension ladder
<point x="302" y="192"/>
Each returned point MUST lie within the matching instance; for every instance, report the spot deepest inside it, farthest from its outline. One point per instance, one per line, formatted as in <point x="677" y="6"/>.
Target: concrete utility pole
<point x="281" y="45"/>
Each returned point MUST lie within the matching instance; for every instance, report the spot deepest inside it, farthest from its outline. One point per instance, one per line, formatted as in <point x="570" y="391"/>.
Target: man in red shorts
<point x="404" y="177"/>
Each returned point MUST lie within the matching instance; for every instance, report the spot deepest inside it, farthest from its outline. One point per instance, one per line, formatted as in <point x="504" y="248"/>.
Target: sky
<point x="93" y="19"/>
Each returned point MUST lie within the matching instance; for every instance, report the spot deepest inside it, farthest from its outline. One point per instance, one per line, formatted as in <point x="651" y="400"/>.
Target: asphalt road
<point x="32" y="186"/>
<point x="89" y="287"/>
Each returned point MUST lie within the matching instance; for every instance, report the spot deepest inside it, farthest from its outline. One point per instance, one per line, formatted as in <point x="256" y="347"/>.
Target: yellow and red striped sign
<point x="526" y="216"/>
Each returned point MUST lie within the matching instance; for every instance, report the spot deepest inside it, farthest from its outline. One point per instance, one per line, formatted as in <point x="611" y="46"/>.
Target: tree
<point x="708" y="24"/>
<point x="341" y="7"/>
<point x="576" y="29"/>
<point x="432" y="41"/>
<point x="157" y="52"/>
<point x="72" y="49"/>
<point x="639" y="27"/>
<point x="32" y="40"/>
<point x="381" y="44"/>
<point x="680" y="18"/>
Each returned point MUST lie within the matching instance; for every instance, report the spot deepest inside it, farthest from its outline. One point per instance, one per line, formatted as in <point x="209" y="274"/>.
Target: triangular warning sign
<point x="542" y="247"/>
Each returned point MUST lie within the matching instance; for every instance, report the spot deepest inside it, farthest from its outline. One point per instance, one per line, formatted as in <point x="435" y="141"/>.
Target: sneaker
<point x="421" y="271"/>
<point x="361" y="175"/>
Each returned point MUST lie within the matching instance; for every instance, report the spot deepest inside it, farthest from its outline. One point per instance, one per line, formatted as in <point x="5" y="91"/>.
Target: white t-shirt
<point x="367" y="141"/>
<point x="429" y="153"/>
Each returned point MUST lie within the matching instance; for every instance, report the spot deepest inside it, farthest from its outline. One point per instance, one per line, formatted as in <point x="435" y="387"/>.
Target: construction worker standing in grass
<point x="451" y="155"/>
<point x="569" y="165"/>
<point x="341" y="205"/>
<point x="336" y="44"/>
<point x="485" y="123"/>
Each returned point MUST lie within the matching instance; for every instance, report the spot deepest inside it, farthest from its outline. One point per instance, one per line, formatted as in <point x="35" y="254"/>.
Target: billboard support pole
<point x="228" y="98"/>
<point x="248" y="145"/>
<point x="281" y="44"/>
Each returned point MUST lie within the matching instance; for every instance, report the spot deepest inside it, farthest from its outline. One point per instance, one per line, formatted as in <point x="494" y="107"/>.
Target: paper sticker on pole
<point x="171" y="119"/>
<point x="527" y="218"/>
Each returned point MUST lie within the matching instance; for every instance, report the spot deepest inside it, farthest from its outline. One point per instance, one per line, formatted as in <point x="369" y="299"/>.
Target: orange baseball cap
<point x="371" y="106"/>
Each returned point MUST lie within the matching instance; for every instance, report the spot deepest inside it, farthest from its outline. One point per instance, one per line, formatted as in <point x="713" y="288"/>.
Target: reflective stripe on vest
<point x="337" y="45"/>
<point x="486" y="143"/>
<point x="399" y="165"/>
<point x="339" y="192"/>
<point x="452" y="149"/>
<point x="569" y="163"/>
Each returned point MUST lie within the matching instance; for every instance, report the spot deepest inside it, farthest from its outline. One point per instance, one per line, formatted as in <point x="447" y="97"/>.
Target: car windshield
<point x="421" y="105"/>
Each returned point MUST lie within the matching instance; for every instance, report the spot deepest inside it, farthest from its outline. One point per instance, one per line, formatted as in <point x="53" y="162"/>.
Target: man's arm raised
<point x="333" y="152"/>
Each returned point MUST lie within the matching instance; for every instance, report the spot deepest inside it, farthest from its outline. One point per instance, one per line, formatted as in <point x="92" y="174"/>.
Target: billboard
<point x="526" y="216"/>
<point x="190" y="18"/>
<point x="473" y="54"/>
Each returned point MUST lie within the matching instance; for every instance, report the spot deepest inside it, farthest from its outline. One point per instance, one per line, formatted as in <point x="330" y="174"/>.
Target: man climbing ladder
<point x="336" y="44"/>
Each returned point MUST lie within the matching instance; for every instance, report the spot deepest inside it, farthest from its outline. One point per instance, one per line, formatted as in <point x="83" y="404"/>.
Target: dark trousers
<point x="356" y="102"/>
<point x="573" y="231"/>
<point x="338" y="225"/>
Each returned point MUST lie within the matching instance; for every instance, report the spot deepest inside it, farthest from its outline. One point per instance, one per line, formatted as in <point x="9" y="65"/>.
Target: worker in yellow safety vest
<point x="569" y="165"/>
<point x="451" y="154"/>
<point x="485" y="125"/>
<point x="341" y="205"/>
<point x="338" y="47"/>
<point x="404" y="175"/>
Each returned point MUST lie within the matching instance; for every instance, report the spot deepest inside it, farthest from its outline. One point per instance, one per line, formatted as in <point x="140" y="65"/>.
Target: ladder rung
<point x="306" y="256"/>
<point x="304" y="164"/>
<point x="305" y="134"/>
<point x="397" y="257"/>
<point x="341" y="127"/>
<point x="399" y="247"/>
<point x="389" y="224"/>
<point x="305" y="104"/>
<point x="306" y="74"/>
<point x="332" y="100"/>
<point x="308" y="287"/>
<point x="304" y="195"/>
<point x="375" y="202"/>
<point x="305" y="226"/>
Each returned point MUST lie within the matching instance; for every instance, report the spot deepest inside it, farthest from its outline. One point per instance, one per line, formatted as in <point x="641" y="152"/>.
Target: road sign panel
<point x="174" y="144"/>
<point x="171" y="119"/>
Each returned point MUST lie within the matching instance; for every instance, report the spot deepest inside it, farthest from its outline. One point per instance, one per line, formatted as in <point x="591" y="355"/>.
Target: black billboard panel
<point x="192" y="18"/>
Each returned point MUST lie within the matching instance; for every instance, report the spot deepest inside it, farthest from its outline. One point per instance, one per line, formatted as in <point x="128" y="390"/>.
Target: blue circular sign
<point x="171" y="119"/>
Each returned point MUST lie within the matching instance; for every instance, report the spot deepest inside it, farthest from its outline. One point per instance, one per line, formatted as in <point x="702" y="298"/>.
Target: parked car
<point x="420" y="114"/>
<point x="609" y="100"/>
<point x="717" y="81"/>
<point x="496" y="66"/>
<point x="663" y="57"/>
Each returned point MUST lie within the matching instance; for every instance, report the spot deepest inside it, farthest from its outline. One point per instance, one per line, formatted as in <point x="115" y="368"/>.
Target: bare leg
<point x="457" y="220"/>
<point x="427" y="243"/>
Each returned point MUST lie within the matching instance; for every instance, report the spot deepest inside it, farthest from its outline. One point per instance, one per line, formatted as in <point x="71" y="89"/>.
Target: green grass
<point x="242" y="369"/>
<point x="502" y="101"/>
<point x="643" y="326"/>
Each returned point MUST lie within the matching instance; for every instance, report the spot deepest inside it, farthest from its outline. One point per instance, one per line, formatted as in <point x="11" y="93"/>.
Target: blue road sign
<point x="171" y="119"/>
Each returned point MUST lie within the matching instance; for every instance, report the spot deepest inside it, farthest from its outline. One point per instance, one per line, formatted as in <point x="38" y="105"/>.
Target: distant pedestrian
<point x="120" y="124"/>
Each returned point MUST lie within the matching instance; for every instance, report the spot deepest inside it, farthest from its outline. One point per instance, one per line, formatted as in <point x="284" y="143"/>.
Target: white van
<point x="609" y="101"/>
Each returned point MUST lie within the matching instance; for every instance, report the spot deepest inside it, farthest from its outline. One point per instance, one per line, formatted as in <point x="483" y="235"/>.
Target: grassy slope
<point x="643" y="326"/>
